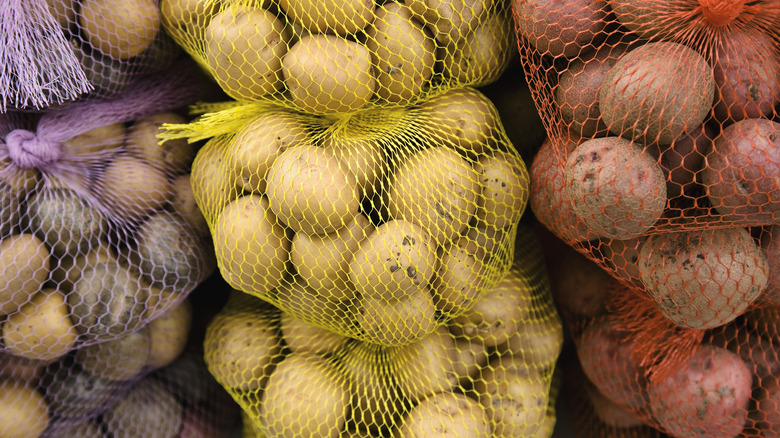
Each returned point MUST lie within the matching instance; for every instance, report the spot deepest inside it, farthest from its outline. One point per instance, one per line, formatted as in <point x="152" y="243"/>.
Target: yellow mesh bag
<point x="340" y="56"/>
<point x="488" y="373"/>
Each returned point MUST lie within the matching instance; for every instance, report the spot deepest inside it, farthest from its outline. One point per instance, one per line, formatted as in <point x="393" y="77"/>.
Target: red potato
<point x="741" y="172"/>
<point x="609" y="412"/>
<point x="759" y="352"/>
<point x="579" y="285"/>
<point x="549" y="200"/>
<point x="747" y="75"/>
<point x="707" y="396"/>
<point x="615" y="187"/>
<point x="605" y="356"/>
<point x="559" y="27"/>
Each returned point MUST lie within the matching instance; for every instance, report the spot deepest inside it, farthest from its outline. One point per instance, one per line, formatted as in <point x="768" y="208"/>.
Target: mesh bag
<point x="487" y="374"/>
<point x="57" y="51"/>
<point x="333" y="56"/>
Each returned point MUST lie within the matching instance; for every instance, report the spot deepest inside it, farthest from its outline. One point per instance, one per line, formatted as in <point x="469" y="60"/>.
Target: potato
<point x="173" y="157"/>
<point x="739" y="172"/>
<point x="610" y="413"/>
<point x="299" y="336"/>
<point x="121" y="29"/>
<point x="188" y="17"/>
<point x="577" y="90"/>
<point x="683" y="160"/>
<point x="108" y="300"/>
<point x="436" y="189"/>
<point x="117" y="359"/>
<point x="514" y="398"/>
<point x="330" y="16"/>
<point x="446" y="415"/>
<point x="244" y="47"/>
<point x="707" y="395"/>
<point x="375" y="400"/>
<point x="67" y="222"/>
<point x="579" y="285"/>
<point x="615" y="187"/>
<point x="607" y="356"/>
<point x="69" y="268"/>
<point x="72" y="393"/>
<point x="704" y="278"/>
<point x="361" y="154"/>
<point x="25" y="263"/>
<point x="323" y="261"/>
<point x="96" y="146"/>
<point x="183" y="202"/>
<point x="397" y="321"/>
<point x="622" y="258"/>
<point x="641" y="102"/>
<point x="450" y="20"/>
<point x="461" y="277"/>
<point x="505" y="180"/>
<point x="213" y="186"/>
<point x="747" y="82"/>
<point x="548" y="198"/>
<point x="537" y="342"/>
<point x="148" y="410"/>
<point x="257" y="144"/>
<point x="305" y="397"/>
<point x="310" y="192"/>
<point x="248" y="226"/>
<point x="326" y="307"/>
<point x="487" y="241"/>
<point x="482" y="56"/>
<point x="462" y="118"/>
<point x="168" y="334"/>
<point x="755" y="347"/>
<point x="23" y="411"/>
<point x="402" y="51"/>
<point x="42" y="329"/>
<point x="561" y="28"/>
<point x="328" y="74"/>
<point x="131" y="188"/>
<point x="425" y="367"/>
<point x="396" y="259"/>
<point x="169" y="255"/>
<point x="469" y="358"/>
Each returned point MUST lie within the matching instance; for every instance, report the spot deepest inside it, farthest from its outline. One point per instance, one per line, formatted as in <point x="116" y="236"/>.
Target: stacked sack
<point x="365" y="191"/>
<point x="660" y="167"/>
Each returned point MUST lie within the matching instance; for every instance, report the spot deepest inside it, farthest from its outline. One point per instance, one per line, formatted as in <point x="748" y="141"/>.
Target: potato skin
<point x="741" y="172"/>
<point x="641" y="102"/>
<point x="704" y="278"/>
<point x="560" y="28"/>
<point x="615" y="187"/>
<point x="708" y="395"/>
<point x="120" y="29"/>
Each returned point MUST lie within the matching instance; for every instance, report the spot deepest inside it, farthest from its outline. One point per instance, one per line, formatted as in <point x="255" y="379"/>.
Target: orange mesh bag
<point x="58" y="51"/>
<point x="486" y="374"/>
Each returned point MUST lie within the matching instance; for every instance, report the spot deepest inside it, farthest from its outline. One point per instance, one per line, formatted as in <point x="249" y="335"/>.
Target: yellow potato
<point x="436" y="189"/>
<point x="461" y="277"/>
<point x="188" y="18"/>
<point x="425" y="367"/>
<point x="252" y="247"/>
<point x="173" y="157"/>
<point x="255" y="147"/>
<point x="469" y="358"/>
<point x="41" y="329"/>
<point x="505" y="187"/>
<point x="213" y="185"/>
<point x="117" y="359"/>
<point x="402" y="51"/>
<point x="310" y="192"/>
<point x="168" y="334"/>
<point x="97" y="146"/>
<point x="24" y="267"/>
<point x="323" y="261"/>
<point x="326" y="307"/>
<point x="121" y="29"/>
<point x="450" y="20"/>
<point x="341" y="17"/>
<point x="299" y="336"/>
<point x="536" y="342"/>
<point x="362" y="155"/>
<point x="328" y="74"/>
<point x="446" y="415"/>
<point x="23" y="410"/>
<point x="397" y="321"/>
<point x="397" y="259"/>
<point x="244" y="50"/>
<point x="183" y="202"/>
<point x="132" y="188"/>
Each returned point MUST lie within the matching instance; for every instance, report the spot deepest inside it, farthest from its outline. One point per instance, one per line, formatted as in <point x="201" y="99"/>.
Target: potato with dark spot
<point x="561" y="28"/>
<point x="704" y="278"/>
<point x="66" y="221"/>
<point x="615" y="187"/>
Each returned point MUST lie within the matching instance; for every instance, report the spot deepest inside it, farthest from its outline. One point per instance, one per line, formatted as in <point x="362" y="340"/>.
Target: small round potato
<point x="403" y="53"/>
<point x="66" y="221"/>
<point x="310" y="192"/>
<point x="426" y="366"/>
<point x="244" y="50"/>
<point x="213" y="185"/>
<point x="342" y="17"/>
<point x="299" y="335"/>
<point x="168" y="334"/>
<point x="436" y="189"/>
<point x="461" y="277"/>
<point x="328" y="74"/>
<point x="173" y="157"/>
<point x="24" y="267"/>
<point x="398" y="321"/>
<point x="96" y="146"/>
<point x="132" y="189"/>
<point x="42" y="329"/>
<point x="117" y="359"/>
<point x="121" y="29"/>
<point x="505" y="182"/>
<point x="23" y="411"/>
